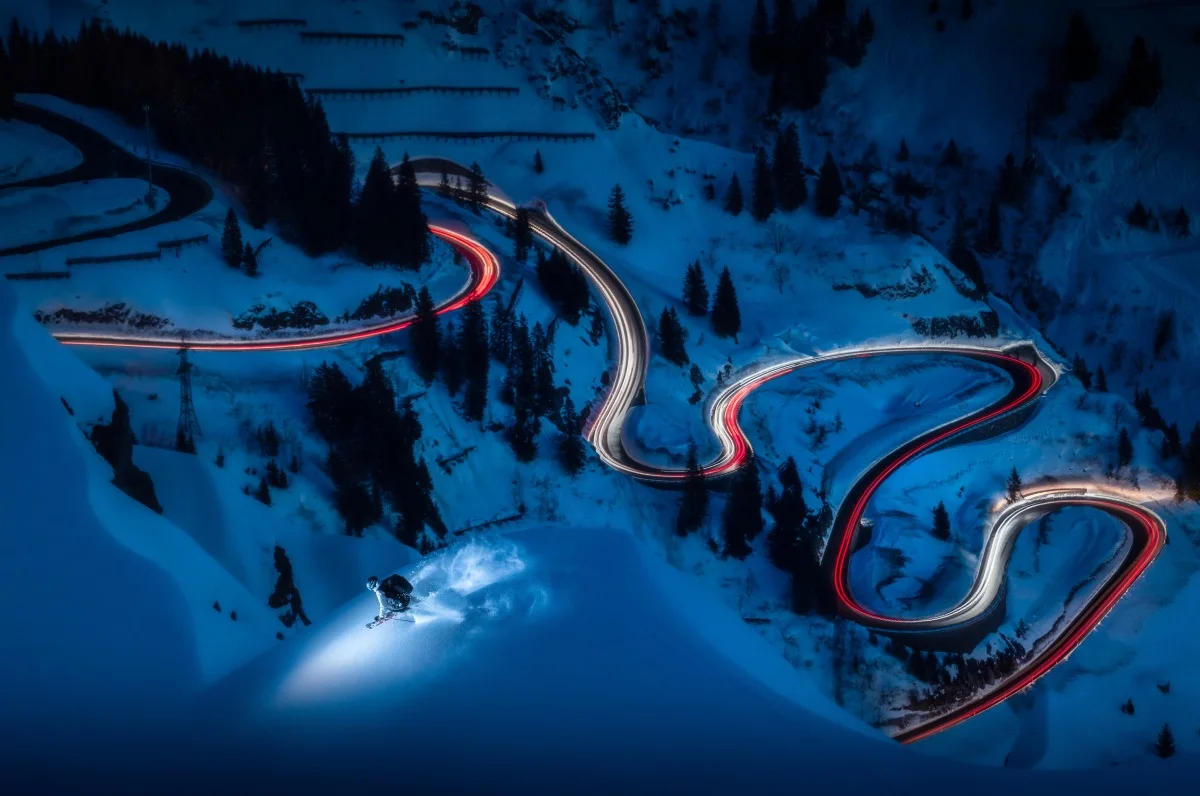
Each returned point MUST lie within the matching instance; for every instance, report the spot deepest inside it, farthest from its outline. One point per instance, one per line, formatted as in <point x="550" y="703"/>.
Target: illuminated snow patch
<point x="346" y="659"/>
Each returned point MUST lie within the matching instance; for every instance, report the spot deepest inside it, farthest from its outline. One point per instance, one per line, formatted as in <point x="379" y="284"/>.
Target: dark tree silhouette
<point x="477" y="190"/>
<point x="426" y="338"/>
<point x="571" y="451"/>
<point x="828" y="196"/>
<point x="733" y="197"/>
<point x="538" y="165"/>
<point x="1165" y="745"/>
<point x="941" y="522"/>
<point x="693" y="504"/>
<point x="726" y="317"/>
<point x="671" y="337"/>
<point x="1124" y="449"/>
<point x="902" y="153"/>
<point x="473" y="345"/>
<point x="522" y="235"/>
<point x="1012" y="487"/>
<point x="1080" y="53"/>
<point x="620" y="222"/>
<point x="761" y="45"/>
<point x="231" y="240"/>
<point x="742" y="519"/>
<point x="762" y="204"/>
<point x="791" y="190"/>
<point x="695" y="291"/>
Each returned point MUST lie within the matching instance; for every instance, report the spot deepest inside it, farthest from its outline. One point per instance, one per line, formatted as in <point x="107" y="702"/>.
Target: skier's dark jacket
<point x="394" y="591"/>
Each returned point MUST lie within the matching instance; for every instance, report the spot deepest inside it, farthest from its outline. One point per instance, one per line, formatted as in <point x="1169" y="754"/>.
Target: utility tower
<point x="189" y="427"/>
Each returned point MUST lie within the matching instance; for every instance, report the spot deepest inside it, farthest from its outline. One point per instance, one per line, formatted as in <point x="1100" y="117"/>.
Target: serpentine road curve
<point x="1031" y="376"/>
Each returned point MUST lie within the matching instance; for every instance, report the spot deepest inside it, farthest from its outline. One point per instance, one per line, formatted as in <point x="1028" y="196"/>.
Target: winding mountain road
<point x="1031" y="376"/>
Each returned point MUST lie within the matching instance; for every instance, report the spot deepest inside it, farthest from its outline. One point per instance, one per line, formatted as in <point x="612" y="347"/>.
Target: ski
<point x="405" y="616"/>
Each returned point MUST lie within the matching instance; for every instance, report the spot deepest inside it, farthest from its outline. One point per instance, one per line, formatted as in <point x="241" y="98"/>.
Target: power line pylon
<point x="189" y="426"/>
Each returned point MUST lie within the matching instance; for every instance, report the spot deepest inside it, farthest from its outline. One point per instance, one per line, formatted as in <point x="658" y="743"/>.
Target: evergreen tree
<point x="571" y="451"/>
<point x="426" y="338"/>
<point x="695" y="291"/>
<point x="791" y="190"/>
<point x="596" y="328"/>
<point x="184" y="442"/>
<point x="941" y="522"/>
<point x="375" y="213"/>
<point x="950" y="155"/>
<point x="693" y="503"/>
<point x="733" y="197"/>
<point x="538" y="165"/>
<point x="865" y="27"/>
<point x="1081" y="54"/>
<point x="1124" y="449"/>
<point x="351" y="497"/>
<point x="501" y="336"/>
<point x="828" y="197"/>
<point x="409" y="228"/>
<point x="1139" y="217"/>
<point x="546" y="396"/>
<point x="761" y="44"/>
<point x="1128" y="708"/>
<point x="1012" y="486"/>
<point x="451" y="360"/>
<point x="250" y="260"/>
<point x="444" y="184"/>
<point x="1181" y="224"/>
<point x="1101" y="380"/>
<point x="522" y="374"/>
<point x="7" y="84"/>
<point x="522" y="235"/>
<point x="992" y="239"/>
<point x="231" y="241"/>
<point x="1080" y="369"/>
<point x="1142" y="80"/>
<point x="473" y="345"/>
<point x="1165" y="745"/>
<point x="263" y="493"/>
<point x="477" y="190"/>
<point x="790" y="514"/>
<point x="671" y="337"/>
<point x="902" y="153"/>
<point x="763" y="202"/>
<point x="620" y="222"/>
<point x="726" y="317"/>
<point x="960" y="254"/>
<point x="742" y="519"/>
<point x="1011" y="186"/>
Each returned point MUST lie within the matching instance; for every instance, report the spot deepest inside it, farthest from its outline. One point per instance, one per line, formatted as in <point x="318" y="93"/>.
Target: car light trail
<point x="632" y="356"/>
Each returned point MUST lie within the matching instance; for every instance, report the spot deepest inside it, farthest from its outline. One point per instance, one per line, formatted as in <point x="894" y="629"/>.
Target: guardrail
<point x="401" y="91"/>
<point x="341" y="37"/>
<point x="179" y="243"/>
<point x="271" y="23"/>
<point x="115" y="258"/>
<point x="35" y="275"/>
<point x="459" y="135"/>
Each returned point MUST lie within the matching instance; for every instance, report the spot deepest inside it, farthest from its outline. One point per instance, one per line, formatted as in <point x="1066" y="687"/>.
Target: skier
<point x="394" y="594"/>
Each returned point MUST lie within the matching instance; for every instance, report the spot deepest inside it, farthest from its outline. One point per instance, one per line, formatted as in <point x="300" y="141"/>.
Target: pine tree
<point x="865" y="27"/>
<point x="263" y="493"/>
<point x="1142" y="80"/>
<point x="828" y="197"/>
<point x="902" y="153"/>
<point x="742" y="519"/>
<point x="671" y="337"/>
<point x="950" y="155"/>
<point x="596" y="328"/>
<point x="538" y="165"/>
<point x="791" y="190"/>
<point x="231" y="241"/>
<point x="250" y="260"/>
<point x="1080" y="369"/>
<point x="1139" y="217"/>
<point x="408" y="231"/>
<point x="941" y="522"/>
<point x="726" y="317"/>
<point x="762" y="203"/>
<point x="620" y="222"/>
<point x="476" y="361"/>
<point x="522" y="235"/>
<point x="733" y="197"/>
<point x="1124" y="449"/>
<point x="7" y="83"/>
<point x="546" y="396"/>
<point x="1101" y="380"/>
<point x="477" y="190"/>
<point x="992" y="239"/>
<point x="1165" y="746"/>
<point x="1128" y="708"/>
<point x="1181" y="223"/>
<point x="761" y="46"/>
<point x="960" y="255"/>
<point x="1081" y="54"/>
<point x="500" y="343"/>
<point x="426" y="338"/>
<point x="571" y="451"/>
<point x="790" y="513"/>
<point x="1012" y="486"/>
<point x="184" y="442"/>
<point x="451" y="360"/>
<point x="695" y="291"/>
<point x="1011" y="185"/>
<point x="693" y="503"/>
<point x="444" y="184"/>
<point x="375" y="212"/>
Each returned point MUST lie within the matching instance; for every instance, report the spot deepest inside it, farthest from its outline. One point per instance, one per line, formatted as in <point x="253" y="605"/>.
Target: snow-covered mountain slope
<point x="807" y="284"/>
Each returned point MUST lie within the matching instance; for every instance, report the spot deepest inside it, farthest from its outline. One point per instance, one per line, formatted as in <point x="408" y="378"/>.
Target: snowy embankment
<point x="28" y="152"/>
<point x="37" y="214"/>
<point x="107" y="607"/>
